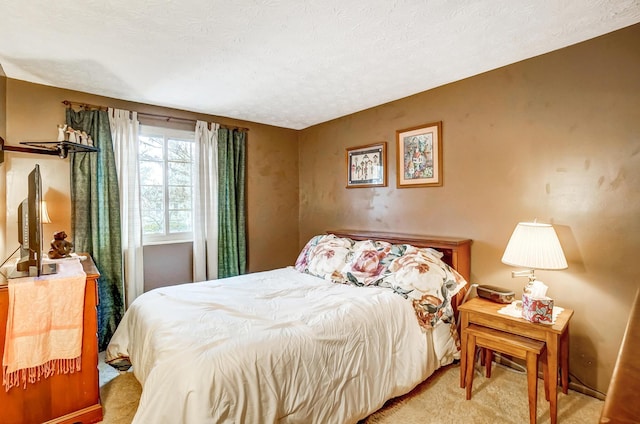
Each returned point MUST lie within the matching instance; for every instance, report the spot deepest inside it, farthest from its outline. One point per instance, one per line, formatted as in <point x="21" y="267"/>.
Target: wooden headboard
<point x="457" y="251"/>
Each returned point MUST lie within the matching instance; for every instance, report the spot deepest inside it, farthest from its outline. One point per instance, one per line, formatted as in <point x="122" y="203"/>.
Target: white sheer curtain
<point x="205" y="203"/>
<point x="124" y="134"/>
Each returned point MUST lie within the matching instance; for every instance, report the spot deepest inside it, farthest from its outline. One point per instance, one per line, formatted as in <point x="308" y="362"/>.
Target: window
<point x="166" y="181"/>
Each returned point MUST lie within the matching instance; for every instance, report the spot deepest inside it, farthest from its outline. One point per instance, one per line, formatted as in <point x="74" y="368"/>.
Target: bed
<point x="362" y="317"/>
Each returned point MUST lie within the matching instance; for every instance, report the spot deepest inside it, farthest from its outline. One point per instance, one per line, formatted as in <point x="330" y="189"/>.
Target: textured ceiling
<point x="290" y="63"/>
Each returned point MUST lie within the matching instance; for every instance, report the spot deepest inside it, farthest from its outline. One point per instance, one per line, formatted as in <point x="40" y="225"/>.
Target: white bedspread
<point x="276" y="346"/>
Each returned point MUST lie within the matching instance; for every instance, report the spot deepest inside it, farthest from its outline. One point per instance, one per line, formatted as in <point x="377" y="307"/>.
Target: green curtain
<point x="95" y="215"/>
<point x="232" y="240"/>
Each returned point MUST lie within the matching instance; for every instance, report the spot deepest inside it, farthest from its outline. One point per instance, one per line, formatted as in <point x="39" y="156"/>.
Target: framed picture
<point x="367" y="165"/>
<point x="420" y="156"/>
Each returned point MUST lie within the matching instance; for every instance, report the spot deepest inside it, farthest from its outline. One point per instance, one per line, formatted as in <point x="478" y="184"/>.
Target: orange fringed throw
<point x="44" y="326"/>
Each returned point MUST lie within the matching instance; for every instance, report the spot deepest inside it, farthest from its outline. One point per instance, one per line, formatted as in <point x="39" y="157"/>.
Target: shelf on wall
<point x="58" y="148"/>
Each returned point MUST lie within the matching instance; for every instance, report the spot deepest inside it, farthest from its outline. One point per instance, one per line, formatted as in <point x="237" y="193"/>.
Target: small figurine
<point x="60" y="248"/>
<point x="84" y="138"/>
<point x="61" y="132"/>
<point x="90" y="141"/>
<point x="72" y="135"/>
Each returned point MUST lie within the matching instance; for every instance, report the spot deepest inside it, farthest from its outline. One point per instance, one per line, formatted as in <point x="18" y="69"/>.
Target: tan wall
<point x="555" y="138"/>
<point x="33" y="112"/>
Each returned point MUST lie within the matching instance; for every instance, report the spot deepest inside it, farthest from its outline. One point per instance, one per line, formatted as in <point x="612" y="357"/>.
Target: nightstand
<point x="556" y="336"/>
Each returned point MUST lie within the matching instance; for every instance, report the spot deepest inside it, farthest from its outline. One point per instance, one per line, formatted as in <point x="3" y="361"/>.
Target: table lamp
<point x="533" y="245"/>
<point x="44" y="214"/>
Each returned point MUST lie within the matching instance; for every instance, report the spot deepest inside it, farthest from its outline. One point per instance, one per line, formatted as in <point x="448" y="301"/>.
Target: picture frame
<point x="419" y="156"/>
<point x="367" y="165"/>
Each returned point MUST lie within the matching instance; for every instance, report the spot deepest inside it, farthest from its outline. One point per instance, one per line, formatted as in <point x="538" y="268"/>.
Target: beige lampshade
<point x="534" y="245"/>
<point x="44" y="214"/>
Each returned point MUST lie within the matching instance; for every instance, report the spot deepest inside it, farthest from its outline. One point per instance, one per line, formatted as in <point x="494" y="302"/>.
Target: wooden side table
<point x="556" y="336"/>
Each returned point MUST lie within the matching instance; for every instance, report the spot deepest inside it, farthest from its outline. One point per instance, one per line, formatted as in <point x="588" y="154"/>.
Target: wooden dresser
<point x="621" y="406"/>
<point x="63" y="398"/>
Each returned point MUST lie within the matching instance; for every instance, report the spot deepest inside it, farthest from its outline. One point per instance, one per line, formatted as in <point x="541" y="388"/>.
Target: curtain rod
<point x="166" y="118"/>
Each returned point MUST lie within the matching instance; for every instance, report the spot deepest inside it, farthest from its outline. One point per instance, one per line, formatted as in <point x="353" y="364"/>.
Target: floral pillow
<point x="417" y="274"/>
<point x="368" y="262"/>
<point x="429" y="283"/>
<point x="433" y="252"/>
<point x="328" y="256"/>
<point x="302" y="263"/>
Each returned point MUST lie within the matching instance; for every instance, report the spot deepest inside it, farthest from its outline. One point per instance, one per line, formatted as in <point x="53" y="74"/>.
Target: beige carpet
<point x="438" y="400"/>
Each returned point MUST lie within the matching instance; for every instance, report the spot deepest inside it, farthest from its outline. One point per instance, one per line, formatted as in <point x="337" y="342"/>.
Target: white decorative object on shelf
<point x="61" y="132"/>
<point x="72" y="135"/>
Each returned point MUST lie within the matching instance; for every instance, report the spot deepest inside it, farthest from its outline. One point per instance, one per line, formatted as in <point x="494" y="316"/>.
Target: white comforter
<point x="275" y="346"/>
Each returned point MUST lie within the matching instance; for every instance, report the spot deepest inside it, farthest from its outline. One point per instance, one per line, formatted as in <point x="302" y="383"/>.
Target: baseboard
<point x="581" y="388"/>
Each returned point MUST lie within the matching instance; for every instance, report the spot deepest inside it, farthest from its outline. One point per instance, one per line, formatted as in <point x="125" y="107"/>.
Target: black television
<point x="30" y="232"/>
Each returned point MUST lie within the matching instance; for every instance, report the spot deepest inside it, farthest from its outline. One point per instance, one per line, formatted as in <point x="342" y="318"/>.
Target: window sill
<point x="162" y="242"/>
